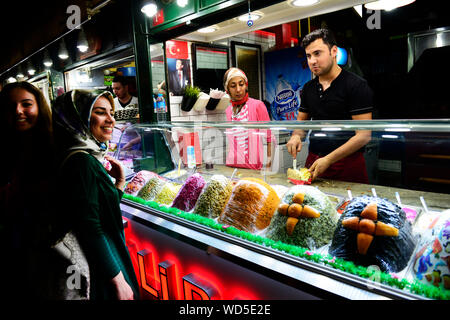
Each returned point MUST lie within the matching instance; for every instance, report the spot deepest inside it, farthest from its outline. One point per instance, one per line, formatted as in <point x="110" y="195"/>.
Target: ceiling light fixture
<point x="182" y="3"/>
<point x="207" y="29"/>
<point x="149" y="8"/>
<point x="82" y="43"/>
<point x="31" y="70"/>
<point x="63" y="53"/>
<point x="387" y="4"/>
<point x="439" y="39"/>
<point x="253" y="16"/>
<point x="250" y="17"/>
<point x="304" y="3"/>
<point x="47" y="61"/>
<point x="20" y="73"/>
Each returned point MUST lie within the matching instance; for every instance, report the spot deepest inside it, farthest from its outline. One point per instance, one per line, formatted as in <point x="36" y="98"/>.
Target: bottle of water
<point x="286" y="102"/>
<point x="161" y="108"/>
<point x="191" y="157"/>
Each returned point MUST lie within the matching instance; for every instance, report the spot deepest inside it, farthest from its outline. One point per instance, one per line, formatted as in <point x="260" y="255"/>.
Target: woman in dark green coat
<point x="89" y="199"/>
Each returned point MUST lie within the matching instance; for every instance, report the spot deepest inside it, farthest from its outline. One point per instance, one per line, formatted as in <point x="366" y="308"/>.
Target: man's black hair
<point x="324" y="34"/>
<point x="123" y="80"/>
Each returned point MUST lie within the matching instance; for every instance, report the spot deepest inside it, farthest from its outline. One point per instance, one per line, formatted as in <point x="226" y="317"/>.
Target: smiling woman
<point x="84" y="124"/>
<point x="102" y="120"/>
<point x="26" y="109"/>
<point x="83" y="121"/>
<point x="25" y="182"/>
<point x="23" y="107"/>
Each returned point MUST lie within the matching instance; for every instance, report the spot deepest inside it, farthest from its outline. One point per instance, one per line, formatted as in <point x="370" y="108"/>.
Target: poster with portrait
<point x="178" y="66"/>
<point x="286" y="72"/>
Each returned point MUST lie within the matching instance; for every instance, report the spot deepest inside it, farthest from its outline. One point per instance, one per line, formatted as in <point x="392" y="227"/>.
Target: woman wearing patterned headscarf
<point x="245" y="146"/>
<point x="83" y="122"/>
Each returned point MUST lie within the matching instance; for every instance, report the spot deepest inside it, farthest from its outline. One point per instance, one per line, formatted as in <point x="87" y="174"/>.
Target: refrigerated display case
<point x="201" y="229"/>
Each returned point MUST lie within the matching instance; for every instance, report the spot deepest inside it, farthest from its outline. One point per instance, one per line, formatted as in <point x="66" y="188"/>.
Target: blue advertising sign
<point x="286" y="73"/>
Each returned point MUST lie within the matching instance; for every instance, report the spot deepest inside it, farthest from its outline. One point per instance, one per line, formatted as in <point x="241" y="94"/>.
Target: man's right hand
<point x="294" y="145"/>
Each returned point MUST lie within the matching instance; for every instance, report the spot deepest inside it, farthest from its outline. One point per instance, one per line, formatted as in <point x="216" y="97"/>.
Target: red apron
<point x="351" y="168"/>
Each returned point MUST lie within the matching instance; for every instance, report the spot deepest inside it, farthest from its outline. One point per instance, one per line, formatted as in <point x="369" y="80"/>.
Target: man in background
<point x="124" y="101"/>
<point x="123" y="97"/>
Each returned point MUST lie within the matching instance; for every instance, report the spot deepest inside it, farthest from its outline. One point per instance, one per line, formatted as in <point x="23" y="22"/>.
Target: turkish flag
<point x="177" y="49"/>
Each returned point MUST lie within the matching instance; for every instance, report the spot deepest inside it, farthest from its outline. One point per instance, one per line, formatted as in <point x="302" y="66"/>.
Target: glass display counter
<point x="210" y="213"/>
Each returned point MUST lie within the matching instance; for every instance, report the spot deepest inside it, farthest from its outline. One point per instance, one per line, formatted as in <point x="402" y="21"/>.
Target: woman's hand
<point x="116" y="172"/>
<point x="122" y="288"/>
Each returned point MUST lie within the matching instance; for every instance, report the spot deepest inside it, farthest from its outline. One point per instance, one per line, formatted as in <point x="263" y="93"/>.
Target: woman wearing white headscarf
<point x="90" y="201"/>
<point x="245" y="146"/>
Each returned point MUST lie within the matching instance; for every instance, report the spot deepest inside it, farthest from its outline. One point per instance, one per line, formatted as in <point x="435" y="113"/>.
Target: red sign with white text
<point x="158" y="18"/>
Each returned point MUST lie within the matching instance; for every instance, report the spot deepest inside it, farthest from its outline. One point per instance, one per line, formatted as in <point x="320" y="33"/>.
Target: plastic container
<point x="201" y="102"/>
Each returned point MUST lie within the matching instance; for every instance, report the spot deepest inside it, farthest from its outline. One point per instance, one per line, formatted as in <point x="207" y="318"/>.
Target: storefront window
<point x="406" y="160"/>
<point x="248" y="57"/>
<point x="158" y="73"/>
<point x="210" y="62"/>
<point x="379" y="52"/>
<point x="99" y="74"/>
<point x="270" y="54"/>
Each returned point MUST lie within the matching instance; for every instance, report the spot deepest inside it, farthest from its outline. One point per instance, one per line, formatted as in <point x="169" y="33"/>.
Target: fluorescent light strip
<point x="331" y="129"/>
<point x="397" y="129"/>
<point x="389" y="136"/>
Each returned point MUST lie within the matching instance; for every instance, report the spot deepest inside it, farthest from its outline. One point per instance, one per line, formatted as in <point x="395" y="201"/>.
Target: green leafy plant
<point x="191" y="91"/>
<point x="190" y="96"/>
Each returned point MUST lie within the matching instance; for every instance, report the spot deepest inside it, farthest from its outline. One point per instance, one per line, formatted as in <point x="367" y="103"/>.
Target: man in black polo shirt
<point x="334" y="94"/>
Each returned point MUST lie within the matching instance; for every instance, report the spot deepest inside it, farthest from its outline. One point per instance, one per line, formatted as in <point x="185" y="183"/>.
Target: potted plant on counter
<point x="215" y="96"/>
<point x="190" y="96"/>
